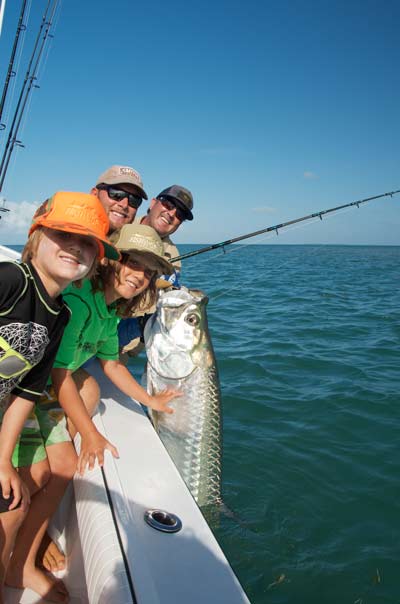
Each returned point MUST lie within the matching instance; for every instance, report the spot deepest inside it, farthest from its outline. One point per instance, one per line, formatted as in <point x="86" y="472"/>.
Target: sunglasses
<point x="168" y="204"/>
<point x="134" y="201"/>
<point x="137" y="265"/>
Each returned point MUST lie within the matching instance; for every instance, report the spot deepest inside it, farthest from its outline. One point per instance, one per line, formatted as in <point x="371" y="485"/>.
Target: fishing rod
<point x="10" y="71"/>
<point x="277" y="227"/>
<point x="27" y="86"/>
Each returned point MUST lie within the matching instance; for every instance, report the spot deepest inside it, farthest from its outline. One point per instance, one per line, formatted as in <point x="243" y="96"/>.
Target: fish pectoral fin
<point x="213" y="512"/>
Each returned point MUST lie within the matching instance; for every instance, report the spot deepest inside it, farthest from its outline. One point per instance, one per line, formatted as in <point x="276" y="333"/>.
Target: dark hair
<point x="110" y="269"/>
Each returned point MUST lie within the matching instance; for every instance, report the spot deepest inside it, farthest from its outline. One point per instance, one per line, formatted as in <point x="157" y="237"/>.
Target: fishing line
<point x="241" y="247"/>
<point x="18" y="147"/>
<point x="14" y="80"/>
<point x="10" y="71"/>
<point x="278" y="227"/>
<point x="265" y="236"/>
<point x="54" y="24"/>
<point x="42" y="64"/>
<point x="272" y="235"/>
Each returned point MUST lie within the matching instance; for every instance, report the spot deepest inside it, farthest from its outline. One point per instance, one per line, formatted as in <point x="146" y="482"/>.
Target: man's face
<point x="164" y="217"/>
<point x="119" y="212"/>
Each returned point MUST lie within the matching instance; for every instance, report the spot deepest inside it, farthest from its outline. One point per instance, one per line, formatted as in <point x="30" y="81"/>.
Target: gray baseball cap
<point x="119" y="175"/>
<point x="181" y="196"/>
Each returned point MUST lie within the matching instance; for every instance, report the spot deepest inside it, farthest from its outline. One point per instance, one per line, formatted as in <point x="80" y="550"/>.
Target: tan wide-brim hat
<point x="146" y="243"/>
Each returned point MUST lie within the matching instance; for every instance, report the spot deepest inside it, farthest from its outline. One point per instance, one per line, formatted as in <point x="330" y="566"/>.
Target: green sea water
<point x="307" y="342"/>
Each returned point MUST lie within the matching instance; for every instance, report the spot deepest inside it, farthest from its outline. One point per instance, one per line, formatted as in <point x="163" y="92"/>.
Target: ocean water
<point x="307" y="342"/>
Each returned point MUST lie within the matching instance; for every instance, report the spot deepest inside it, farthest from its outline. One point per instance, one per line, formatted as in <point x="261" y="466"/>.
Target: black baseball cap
<point x="181" y="197"/>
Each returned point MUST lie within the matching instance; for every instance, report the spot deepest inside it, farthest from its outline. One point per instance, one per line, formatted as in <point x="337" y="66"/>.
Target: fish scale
<point x="180" y="355"/>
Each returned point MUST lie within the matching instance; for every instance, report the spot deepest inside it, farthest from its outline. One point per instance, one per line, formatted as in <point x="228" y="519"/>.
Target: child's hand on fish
<point x="93" y="445"/>
<point x="159" y="402"/>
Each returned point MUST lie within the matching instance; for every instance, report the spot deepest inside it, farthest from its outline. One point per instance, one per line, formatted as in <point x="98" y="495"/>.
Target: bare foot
<point x="49" y="556"/>
<point x="47" y="586"/>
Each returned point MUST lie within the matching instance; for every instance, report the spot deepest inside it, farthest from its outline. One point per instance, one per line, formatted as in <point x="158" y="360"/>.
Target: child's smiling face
<point x="133" y="278"/>
<point x="62" y="257"/>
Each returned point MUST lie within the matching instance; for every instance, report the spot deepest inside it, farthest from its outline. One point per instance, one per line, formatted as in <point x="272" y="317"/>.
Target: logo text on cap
<point x="86" y="215"/>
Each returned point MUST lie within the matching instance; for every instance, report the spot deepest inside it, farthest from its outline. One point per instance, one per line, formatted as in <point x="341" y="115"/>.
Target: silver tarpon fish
<point x="180" y="355"/>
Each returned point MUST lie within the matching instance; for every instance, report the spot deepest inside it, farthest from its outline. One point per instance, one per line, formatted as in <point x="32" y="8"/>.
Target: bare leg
<point x="10" y="522"/>
<point x="22" y="570"/>
<point x="49" y="556"/>
<point x="9" y="525"/>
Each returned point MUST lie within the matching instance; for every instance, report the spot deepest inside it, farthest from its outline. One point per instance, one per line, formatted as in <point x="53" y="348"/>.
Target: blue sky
<point x="266" y="110"/>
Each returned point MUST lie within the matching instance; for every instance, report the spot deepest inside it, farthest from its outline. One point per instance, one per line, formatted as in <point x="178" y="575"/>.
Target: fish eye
<point x="192" y="319"/>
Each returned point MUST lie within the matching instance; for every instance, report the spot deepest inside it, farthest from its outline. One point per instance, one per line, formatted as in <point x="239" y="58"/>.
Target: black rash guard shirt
<point x="32" y="324"/>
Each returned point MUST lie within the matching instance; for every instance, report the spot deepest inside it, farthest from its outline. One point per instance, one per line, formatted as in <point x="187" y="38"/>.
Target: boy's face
<point x="63" y="257"/>
<point x="133" y="278"/>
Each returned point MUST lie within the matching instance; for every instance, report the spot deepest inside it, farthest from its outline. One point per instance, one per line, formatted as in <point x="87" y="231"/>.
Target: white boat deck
<point x="114" y="556"/>
<point x="187" y="566"/>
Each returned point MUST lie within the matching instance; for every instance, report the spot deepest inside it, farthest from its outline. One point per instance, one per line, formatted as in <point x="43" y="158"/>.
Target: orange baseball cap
<point x="79" y="213"/>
